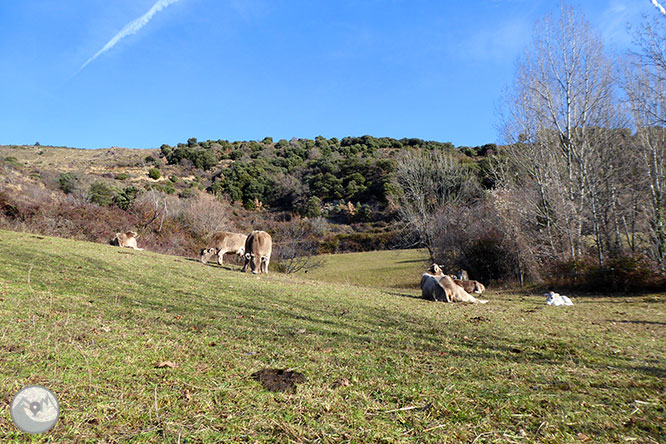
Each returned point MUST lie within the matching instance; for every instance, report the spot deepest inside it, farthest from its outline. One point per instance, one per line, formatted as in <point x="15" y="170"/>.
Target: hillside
<point x="346" y="185"/>
<point x="91" y="322"/>
<point x="282" y="175"/>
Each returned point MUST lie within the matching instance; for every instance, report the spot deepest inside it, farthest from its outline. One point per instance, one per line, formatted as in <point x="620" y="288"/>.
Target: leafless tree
<point x="645" y="86"/>
<point x="295" y="246"/>
<point x="430" y="180"/>
<point x="203" y="214"/>
<point x="563" y="93"/>
<point x="150" y="207"/>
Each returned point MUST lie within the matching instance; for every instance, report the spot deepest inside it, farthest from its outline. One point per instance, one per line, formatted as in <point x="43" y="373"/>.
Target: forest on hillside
<point x="311" y="177"/>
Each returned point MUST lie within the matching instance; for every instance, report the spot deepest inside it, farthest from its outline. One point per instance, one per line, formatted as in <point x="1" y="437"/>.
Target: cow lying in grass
<point x="126" y="240"/>
<point x="437" y="286"/>
<point x="475" y="287"/>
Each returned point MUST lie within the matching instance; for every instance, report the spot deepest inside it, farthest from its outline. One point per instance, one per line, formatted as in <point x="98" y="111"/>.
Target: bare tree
<point x="562" y="95"/>
<point x="203" y="214"/>
<point x="150" y="207"/>
<point x="430" y="180"/>
<point x="645" y="86"/>
<point x="296" y="246"/>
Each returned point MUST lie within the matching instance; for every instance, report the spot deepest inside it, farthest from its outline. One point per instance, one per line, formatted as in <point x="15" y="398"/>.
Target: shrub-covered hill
<point x="302" y="174"/>
<point x="92" y="323"/>
<point x="176" y="197"/>
<point x="306" y="176"/>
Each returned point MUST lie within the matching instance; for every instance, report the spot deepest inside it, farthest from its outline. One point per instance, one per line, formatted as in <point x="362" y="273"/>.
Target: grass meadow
<point x="92" y="322"/>
<point x="390" y="269"/>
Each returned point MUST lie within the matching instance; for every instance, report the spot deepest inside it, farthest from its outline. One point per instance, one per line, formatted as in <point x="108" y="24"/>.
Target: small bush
<point x="122" y="176"/>
<point x="101" y="194"/>
<point x="165" y="187"/>
<point x="188" y="192"/>
<point x="68" y="182"/>
<point x="149" y="159"/>
<point x="126" y="197"/>
<point x="154" y="173"/>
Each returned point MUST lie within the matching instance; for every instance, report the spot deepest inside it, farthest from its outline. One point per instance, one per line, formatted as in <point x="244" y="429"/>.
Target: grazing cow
<point x="462" y="275"/>
<point x="127" y="239"/>
<point x="471" y="286"/>
<point x="258" y="248"/>
<point x="222" y="243"/>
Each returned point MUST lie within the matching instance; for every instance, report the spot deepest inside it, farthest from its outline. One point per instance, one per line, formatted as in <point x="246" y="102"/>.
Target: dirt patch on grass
<point x="478" y="319"/>
<point x="279" y="380"/>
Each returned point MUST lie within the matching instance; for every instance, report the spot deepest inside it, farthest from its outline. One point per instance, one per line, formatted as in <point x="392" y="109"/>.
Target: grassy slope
<point x="398" y="269"/>
<point x="91" y="321"/>
<point x="97" y="164"/>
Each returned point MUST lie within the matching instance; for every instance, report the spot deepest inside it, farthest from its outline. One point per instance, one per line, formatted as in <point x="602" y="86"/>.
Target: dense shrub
<point x="68" y="182"/>
<point x="101" y="194"/>
<point x="352" y="242"/>
<point x="621" y="274"/>
<point x="126" y="197"/>
<point x="154" y="173"/>
<point x="188" y="192"/>
<point x="201" y="158"/>
<point x="122" y="176"/>
<point x="491" y="248"/>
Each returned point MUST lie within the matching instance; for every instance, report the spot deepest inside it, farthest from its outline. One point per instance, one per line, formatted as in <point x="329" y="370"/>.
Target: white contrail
<point x="659" y="7"/>
<point x="132" y="27"/>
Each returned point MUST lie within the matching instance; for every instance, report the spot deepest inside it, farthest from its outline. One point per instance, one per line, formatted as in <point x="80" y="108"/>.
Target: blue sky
<point x="247" y="69"/>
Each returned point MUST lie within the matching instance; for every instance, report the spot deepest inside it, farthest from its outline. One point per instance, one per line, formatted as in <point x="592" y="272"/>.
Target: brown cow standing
<point x="224" y="242"/>
<point x="258" y="248"/>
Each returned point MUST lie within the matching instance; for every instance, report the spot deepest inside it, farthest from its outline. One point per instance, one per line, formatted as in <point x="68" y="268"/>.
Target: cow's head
<point x="255" y="262"/>
<point x="207" y="254"/>
<point x="434" y="269"/>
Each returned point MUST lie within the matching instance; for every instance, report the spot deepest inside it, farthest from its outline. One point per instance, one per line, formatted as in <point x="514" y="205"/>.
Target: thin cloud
<point x="131" y="28"/>
<point x="504" y="42"/>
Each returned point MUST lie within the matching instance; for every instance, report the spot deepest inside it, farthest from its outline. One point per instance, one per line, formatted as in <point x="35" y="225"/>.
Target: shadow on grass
<point x="403" y="295"/>
<point x="346" y="325"/>
<point x="638" y="322"/>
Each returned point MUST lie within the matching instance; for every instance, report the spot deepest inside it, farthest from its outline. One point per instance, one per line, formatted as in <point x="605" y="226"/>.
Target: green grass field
<point x="92" y="321"/>
<point x="393" y="269"/>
